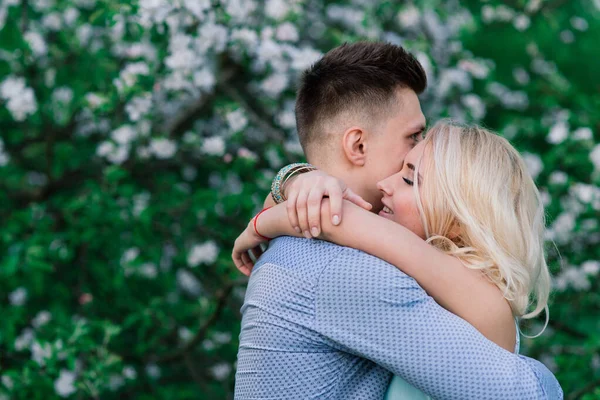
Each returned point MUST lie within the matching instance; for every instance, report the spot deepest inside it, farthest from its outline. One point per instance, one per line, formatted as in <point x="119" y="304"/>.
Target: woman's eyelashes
<point x="408" y="181"/>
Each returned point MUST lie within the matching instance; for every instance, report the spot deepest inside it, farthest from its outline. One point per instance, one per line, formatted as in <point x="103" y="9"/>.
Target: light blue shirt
<point x="321" y="321"/>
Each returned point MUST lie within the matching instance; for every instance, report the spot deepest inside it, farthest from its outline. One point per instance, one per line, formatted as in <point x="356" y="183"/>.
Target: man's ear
<point x="354" y="144"/>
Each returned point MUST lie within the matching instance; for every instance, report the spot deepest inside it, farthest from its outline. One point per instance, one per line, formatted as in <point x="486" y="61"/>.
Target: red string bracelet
<point x="256" y="219"/>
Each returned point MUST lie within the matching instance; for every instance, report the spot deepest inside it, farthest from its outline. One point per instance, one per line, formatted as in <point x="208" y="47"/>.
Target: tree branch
<point x="221" y="299"/>
<point x="255" y="116"/>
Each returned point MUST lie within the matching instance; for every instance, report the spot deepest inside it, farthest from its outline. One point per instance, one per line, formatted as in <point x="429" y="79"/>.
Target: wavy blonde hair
<point x="481" y="205"/>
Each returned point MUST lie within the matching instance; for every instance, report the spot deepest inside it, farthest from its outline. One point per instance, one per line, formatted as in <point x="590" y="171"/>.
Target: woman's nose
<point x="384" y="186"/>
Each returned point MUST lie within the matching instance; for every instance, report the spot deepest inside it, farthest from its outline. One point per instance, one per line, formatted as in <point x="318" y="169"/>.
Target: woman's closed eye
<point x="408" y="181"/>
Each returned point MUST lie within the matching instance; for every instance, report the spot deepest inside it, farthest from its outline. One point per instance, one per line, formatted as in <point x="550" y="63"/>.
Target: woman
<point x="463" y="218"/>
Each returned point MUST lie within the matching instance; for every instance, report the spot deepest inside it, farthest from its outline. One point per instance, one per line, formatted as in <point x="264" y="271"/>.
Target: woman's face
<point x="400" y="204"/>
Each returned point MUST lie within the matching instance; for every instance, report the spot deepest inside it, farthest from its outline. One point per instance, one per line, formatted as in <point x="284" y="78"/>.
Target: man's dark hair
<point x="357" y="77"/>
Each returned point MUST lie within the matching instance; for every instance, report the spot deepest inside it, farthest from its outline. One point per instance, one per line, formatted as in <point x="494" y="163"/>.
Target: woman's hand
<point x="248" y="242"/>
<point x="304" y="195"/>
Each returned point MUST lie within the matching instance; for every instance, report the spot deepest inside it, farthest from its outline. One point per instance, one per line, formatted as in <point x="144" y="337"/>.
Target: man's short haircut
<point x="361" y="77"/>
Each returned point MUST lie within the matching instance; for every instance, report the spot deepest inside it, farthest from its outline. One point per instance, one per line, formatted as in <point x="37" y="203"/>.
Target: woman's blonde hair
<point x="481" y="205"/>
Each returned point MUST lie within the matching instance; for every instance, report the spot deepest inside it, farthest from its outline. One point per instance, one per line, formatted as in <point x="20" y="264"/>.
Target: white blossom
<point x="7" y="382"/>
<point x="595" y="157"/>
<point x="240" y="10"/>
<point x="213" y="146"/>
<point x="579" y="23"/>
<point x="62" y="95"/>
<point x="591" y="267"/>
<point x="534" y="164"/>
<point x="70" y="16"/>
<point x="163" y="148"/>
<point x="24" y="340"/>
<point x="41" y="319"/>
<point x="221" y="370"/>
<point x="4" y="157"/>
<point x="153" y="371"/>
<point x="214" y="37"/>
<point x="49" y="77"/>
<point x="129" y="372"/>
<point x="205" y="253"/>
<point x="221" y="337"/>
<point x="521" y="76"/>
<point x="246" y="36"/>
<point x="64" y="385"/>
<point x="476" y="68"/>
<point x="84" y="33"/>
<point x="567" y="36"/>
<point x="274" y="84"/>
<point x="558" y="178"/>
<point x="236" y="120"/>
<point x="561" y="228"/>
<point x="139" y="106"/>
<point x="129" y="255"/>
<point x="475" y="105"/>
<point x="115" y="382"/>
<point x="20" y="99"/>
<point x="124" y="135"/>
<point x="304" y="58"/>
<point x="558" y="133"/>
<point x="277" y="9"/>
<point x="40" y="353"/>
<point x="185" y="334"/>
<point x="188" y="282"/>
<point x="129" y="75"/>
<point x="118" y="155"/>
<point x="287" y="32"/>
<point x="204" y="79"/>
<point x="409" y="17"/>
<point x="105" y="148"/>
<point x="18" y="297"/>
<point x="197" y="7"/>
<point x="36" y="43"/>
<point x="452" y="77"/>
<point x="148" y="270"/>
<point x="583" y="133"/>
<point x="140" y="203"/>
<point x="521" y="22"/>
<point x="52" y="21"/>
<point x="43" y="5"/>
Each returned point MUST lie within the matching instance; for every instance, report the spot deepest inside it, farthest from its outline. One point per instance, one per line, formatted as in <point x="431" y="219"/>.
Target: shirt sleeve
<point x="369" y="308"/>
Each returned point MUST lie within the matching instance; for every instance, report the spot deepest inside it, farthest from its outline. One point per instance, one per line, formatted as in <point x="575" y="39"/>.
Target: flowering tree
<point x="138" y="138"/>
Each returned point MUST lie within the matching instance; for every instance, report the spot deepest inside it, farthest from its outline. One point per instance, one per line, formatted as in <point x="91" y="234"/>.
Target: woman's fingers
<point x="356" y="199"/>
<point x="248" y="264"/>
<point x="314" y="210"/>
<point x="302" y="212"/>
<point x="291" y="210"/>
<point x="335" y="202"/>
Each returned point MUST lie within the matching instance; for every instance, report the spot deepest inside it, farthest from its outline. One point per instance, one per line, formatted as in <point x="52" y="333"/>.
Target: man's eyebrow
<point x="412" y="167"/>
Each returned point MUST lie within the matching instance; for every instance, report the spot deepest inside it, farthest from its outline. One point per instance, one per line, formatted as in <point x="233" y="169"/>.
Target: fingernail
<point x="336" y="219"/>
<point x="297" y="229"/>
<point x="307" y="234"/>
<point x="314" y="231"/>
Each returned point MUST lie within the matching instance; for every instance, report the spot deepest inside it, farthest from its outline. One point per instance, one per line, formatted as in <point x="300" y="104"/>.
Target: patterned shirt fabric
<point x="322" y="321"/>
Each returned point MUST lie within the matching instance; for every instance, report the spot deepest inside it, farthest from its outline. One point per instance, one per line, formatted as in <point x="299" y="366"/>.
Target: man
<point x="325" y="321"/>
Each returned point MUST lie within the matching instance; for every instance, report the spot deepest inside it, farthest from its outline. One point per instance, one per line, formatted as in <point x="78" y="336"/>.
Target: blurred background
<point x="138" y="138"/>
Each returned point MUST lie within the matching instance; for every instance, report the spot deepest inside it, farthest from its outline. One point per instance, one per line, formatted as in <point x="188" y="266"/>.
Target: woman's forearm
<point x="443" y="276"/>
<point x="274" y="222"/>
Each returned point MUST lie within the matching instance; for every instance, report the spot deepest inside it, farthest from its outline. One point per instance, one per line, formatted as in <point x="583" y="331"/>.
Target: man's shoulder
<point x="298" y="254"/>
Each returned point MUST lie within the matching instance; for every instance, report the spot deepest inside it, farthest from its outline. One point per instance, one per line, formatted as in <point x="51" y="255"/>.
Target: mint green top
<point x="399" y="389"/>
